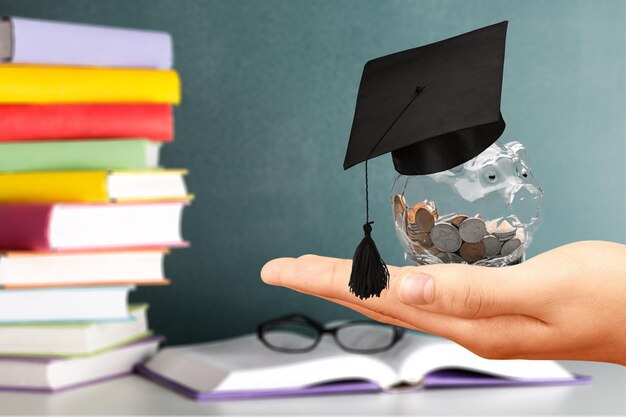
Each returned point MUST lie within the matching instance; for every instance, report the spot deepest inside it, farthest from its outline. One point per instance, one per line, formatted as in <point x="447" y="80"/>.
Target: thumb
<point x="470" y="292"/>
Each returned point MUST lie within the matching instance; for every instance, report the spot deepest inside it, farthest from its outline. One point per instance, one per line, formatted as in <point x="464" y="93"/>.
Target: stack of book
<point x="85" y="211"/>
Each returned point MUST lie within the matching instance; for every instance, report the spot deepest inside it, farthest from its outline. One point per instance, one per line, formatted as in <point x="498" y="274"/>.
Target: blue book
<point x="68" y="304"/>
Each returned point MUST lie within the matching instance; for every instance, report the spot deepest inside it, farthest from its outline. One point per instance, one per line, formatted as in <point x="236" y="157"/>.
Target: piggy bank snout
<point x="525" y="202"/>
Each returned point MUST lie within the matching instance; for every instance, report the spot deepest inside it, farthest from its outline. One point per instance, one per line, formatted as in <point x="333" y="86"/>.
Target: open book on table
<point x="244" y="368"/>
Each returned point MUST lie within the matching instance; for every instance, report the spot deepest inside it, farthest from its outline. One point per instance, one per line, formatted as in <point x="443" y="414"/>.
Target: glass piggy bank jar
<point x="483" y="212"/>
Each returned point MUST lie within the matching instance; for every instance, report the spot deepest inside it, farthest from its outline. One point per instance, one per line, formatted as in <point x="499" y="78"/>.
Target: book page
<point x="244" y="363"/>
<point x="439" y="353"/>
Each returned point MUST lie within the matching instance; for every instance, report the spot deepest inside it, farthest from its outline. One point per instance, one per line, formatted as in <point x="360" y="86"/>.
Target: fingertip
<point x="270" y="273"/>
<point x="416" y="289"/>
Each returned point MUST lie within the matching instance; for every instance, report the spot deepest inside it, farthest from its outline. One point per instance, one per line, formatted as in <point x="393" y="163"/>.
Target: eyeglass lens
<point x="290" y="336"/>
<point x="365" y="336"/>
<point x="296" y="336"/>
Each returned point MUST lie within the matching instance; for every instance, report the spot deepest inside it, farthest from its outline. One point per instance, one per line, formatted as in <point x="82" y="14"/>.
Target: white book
<point x="64" y="226"/>
<point x="244" y="364"/>
<point x="72" y="339"/>
<point x="64" y="304"/>
<point x="41" y="269"/>
<point x="44" y="374"/>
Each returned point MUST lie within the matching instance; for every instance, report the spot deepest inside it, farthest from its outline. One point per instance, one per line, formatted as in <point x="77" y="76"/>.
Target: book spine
<point x="25" y="226"/>
<point x="48" y="187"/>
<point x="76" y="155"/>
<point x="41" y="84"/>
<point x="59" y="43"/>
<point x="86" y="121"/>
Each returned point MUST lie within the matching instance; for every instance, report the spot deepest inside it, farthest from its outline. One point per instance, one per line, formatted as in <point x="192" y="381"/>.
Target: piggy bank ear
<point x="518" y="149"/>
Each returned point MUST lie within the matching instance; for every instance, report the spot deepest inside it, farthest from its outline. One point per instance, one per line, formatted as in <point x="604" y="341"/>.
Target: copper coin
<point x="423" y="240"/>
<point x="412" y="231"/>
<point x="472" y="252"/>
<point x="399" y="206"/>
<point x="457" y="220"/>
<point x="433" y="250"/>
<point x="424" y="219"/>
<point x="433" y="209"/>
<point x="422" y="215"/>
<point x="413" y="210"/>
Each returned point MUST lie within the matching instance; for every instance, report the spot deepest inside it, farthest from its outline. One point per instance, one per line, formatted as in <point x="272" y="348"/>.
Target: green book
<point x="67" y="339"/>
<point x="79" y="155"/>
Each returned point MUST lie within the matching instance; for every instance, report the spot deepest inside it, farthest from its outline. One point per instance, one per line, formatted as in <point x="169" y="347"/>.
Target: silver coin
<point x="472" y="230"/>
<point x="510" y="246"/>
<point x="450" y="258"/>
<point x="504" y="231"/>
<point x="446" y="237"/>
<point x="492" y="246"/>
<point x="504" y="236"/>
<point x="449" y="217"/>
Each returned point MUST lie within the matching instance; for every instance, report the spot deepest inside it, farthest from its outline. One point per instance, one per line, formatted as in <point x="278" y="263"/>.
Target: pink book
<point x="90" y="226"/>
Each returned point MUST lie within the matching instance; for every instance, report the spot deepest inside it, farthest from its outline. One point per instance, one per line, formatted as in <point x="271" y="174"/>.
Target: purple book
<point x="242" y="367"/>
<point x="33" y="41"/>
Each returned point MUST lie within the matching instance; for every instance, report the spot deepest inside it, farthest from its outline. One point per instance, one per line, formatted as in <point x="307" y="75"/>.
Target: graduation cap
<point x="433" y="107"/>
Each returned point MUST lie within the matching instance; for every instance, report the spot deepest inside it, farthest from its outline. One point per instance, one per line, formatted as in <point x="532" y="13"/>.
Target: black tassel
<point x="370" y="275"/>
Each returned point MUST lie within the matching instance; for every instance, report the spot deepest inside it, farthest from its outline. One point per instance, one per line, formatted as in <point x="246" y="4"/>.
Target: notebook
<point x="244" y="368"/>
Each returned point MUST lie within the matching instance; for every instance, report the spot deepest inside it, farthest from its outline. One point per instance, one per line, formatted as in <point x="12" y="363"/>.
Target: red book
<point x="90" y="226"/>
<point x="86" y="121"/>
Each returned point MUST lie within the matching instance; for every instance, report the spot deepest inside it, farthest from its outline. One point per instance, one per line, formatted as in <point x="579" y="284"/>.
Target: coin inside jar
<point x="399" y="206"/>
<point x="492" y="246"/>
<point x="510" y="246"/>
<point x="422" y="240"/>
<point x="445" y="237"/>
<point x="457" y="220"/>
<point x="424" y="219"/>
<point x="504" y="231"/>
<point x="513" y="244"/>
<point x="413" y="210"/>
<point x="450" y="258"/>
<point x="472" y="230"/>
<point x="472" y="252"/>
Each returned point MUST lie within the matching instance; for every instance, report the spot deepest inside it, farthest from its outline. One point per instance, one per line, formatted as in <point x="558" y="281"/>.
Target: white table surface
<point x="135" y="395"/>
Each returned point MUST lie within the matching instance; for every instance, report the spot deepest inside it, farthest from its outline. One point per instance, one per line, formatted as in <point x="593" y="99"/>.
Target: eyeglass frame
<point x="398" y="333"/>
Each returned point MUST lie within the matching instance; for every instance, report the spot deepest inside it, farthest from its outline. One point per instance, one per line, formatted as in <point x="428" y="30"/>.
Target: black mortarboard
<point x="433" y="107"/>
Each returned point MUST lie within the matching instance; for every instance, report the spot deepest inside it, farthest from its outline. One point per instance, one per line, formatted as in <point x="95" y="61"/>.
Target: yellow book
<point x="93" y="186"/>
<point x="50" y="84"/>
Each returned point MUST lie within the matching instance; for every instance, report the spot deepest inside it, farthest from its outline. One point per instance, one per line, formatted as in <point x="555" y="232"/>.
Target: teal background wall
<point x="269" y="90"/>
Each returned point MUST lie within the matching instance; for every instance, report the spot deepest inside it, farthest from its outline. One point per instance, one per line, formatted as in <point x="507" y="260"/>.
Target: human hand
<point x="567" y="303"/>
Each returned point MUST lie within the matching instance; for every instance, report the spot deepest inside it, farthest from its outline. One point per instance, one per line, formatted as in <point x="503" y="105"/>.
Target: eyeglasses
<point x="297" y="333"/>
